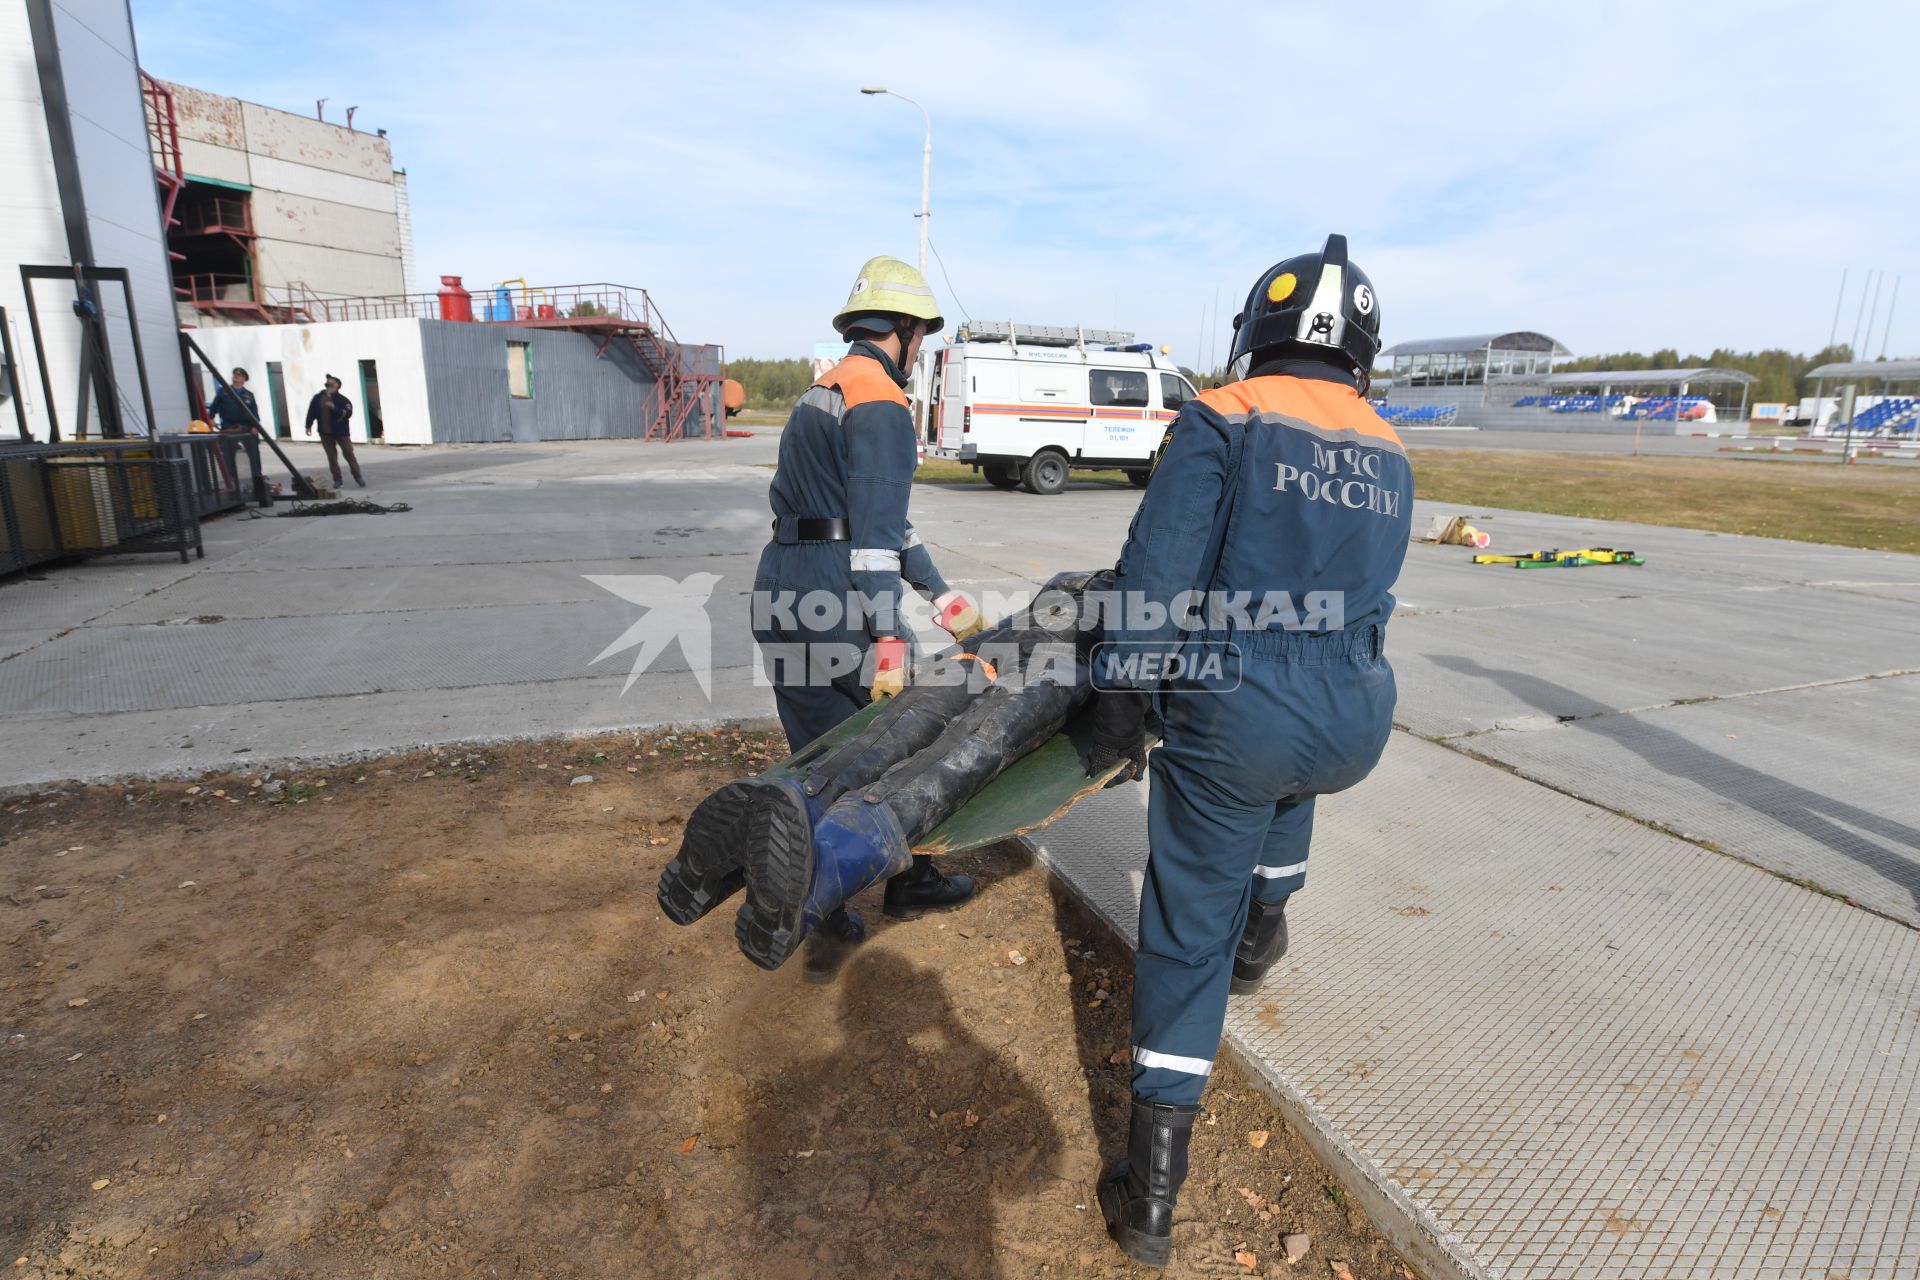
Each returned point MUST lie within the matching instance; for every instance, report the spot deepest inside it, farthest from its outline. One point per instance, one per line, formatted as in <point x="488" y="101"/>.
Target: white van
<point x="1027" y="403"/>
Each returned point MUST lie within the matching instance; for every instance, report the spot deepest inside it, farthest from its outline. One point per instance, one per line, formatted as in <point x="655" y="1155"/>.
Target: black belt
<point x="791" y="529"/>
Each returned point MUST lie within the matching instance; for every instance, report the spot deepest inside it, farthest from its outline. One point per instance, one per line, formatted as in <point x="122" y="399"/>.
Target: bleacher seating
<point x="1435" y="415"/>
<point x="1897" y="414"/>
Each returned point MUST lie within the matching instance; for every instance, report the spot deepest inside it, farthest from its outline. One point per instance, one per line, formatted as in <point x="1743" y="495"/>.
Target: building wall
<point x="109" y="125"/>
<point x="308" y="353"/>
<point x="576" y="395"/>
<point x="326" y="209"/>
<point x="445" y="382"/>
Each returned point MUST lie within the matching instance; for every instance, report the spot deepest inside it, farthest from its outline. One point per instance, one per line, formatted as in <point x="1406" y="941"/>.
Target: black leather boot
<point x="920" y="889"/>
<point x="830" y="944"/>
<point x="1137" y="1195"/>
<point x="1262" y="942"/>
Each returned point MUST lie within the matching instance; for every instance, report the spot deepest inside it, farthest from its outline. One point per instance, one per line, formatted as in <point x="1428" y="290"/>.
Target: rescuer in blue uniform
<point x="1286" y="500"/>
<point x="841" y="536"/>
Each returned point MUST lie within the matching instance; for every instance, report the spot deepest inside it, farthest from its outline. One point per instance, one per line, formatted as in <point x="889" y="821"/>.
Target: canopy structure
<point x="1882" y="371"/>
<point x="1636" y="379"/>
<point x="1473" y="359"/>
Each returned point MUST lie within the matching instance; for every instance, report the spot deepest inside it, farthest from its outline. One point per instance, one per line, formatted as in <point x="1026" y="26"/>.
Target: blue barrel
<point x="501" y="307"/>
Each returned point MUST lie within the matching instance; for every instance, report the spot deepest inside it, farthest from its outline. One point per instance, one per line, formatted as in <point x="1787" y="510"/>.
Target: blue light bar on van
<point x="1137" y="346"/>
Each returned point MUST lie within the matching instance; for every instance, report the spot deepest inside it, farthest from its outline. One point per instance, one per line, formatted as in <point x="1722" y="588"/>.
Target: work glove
<point x="959" y="616"/>
<point x="1119" y="733"/>
<point x="889" y="668"/>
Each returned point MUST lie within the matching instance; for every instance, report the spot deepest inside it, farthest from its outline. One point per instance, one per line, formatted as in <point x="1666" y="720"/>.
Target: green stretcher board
<point x="1029" y="794"/>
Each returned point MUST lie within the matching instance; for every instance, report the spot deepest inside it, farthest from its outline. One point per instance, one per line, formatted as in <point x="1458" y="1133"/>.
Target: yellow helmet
<point x="888" y="286"/>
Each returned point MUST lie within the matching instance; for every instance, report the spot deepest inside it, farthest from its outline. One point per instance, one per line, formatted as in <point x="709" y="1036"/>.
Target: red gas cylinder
<point x="455" y="302"/>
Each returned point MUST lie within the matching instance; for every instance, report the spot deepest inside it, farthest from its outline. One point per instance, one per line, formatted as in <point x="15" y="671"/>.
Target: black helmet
<point x="1317" y="306"/>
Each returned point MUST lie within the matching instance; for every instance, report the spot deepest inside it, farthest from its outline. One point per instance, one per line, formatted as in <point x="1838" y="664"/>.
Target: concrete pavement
<point x="1610" y="971"/>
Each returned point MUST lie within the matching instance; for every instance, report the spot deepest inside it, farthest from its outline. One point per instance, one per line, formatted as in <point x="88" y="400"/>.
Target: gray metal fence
<point x="109" y="497"/>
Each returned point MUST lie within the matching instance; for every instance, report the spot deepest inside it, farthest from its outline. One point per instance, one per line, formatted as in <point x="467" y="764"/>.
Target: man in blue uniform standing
<point x="1286" y="500"/>
<point x="841" y="536"/>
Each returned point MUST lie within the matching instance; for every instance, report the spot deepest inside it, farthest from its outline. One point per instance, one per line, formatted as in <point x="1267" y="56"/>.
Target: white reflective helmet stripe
<point x="870" y="558"/>
<point x="900" y="286"/>
<point x="1173" y="1062"/>
<point x="1277" y="873"/>
<point x="1329" y="299"/>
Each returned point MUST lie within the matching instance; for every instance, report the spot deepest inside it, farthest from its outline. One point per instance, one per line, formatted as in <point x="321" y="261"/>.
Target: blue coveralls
<point x="1286" y="482"/>
<point x="848" y="453"/>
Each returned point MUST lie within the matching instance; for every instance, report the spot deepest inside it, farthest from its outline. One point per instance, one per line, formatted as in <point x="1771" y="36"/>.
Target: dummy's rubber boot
<point x="830" y="945"/>
<point x="794" y="883"/>
<point x="1137" y="1195"/>
<point x="920" y="889"/>
<point x="711" y="864"/>
<point x="1262" y="942"/>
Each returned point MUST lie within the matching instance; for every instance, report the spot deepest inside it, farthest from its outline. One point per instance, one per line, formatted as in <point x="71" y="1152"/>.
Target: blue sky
<point x="1618" y="175"/>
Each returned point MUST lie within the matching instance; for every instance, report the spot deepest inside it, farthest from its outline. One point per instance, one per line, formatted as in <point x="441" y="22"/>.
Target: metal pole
<point x="926" y="187"/>
<point x="1853" y="345"/>
<point x="926" y="165"/>
<point x="1891" y="304"/>
<point x="1873" y="314"/>
<point x="1846" y="411"/>
<point x="1834" y="331"/>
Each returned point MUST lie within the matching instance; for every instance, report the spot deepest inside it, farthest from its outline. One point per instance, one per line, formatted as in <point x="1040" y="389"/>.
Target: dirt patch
<point x="423" y="1017"/>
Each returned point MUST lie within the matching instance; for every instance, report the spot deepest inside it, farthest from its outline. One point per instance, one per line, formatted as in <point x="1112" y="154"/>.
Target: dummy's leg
<point x="784" y="803"/>
<point x="868" y="833"/>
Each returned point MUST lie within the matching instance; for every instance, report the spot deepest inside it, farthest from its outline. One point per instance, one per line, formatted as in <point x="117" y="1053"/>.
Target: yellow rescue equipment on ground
<point x="1557" y="559"/>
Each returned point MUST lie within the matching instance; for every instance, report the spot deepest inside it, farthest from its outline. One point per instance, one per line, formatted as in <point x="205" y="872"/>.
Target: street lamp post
<point x="926" y="166"/>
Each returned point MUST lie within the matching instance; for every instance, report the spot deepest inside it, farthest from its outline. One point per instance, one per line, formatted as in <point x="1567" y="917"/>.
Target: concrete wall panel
<point x="321" y="184"/>
<point x="222" y="164"/>
<point x="328" y="270"/>
<point x="294" y="139"/>
<point x="321" y="223"/>
<point x="208" y="118"/>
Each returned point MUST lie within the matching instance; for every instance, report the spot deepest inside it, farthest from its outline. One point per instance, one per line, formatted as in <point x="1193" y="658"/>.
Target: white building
<point x="77" y="186"/>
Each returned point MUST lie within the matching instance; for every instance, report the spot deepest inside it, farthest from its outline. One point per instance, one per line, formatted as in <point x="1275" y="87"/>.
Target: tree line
<point x="1782" y="374"/>
<point x="771" y="384"/>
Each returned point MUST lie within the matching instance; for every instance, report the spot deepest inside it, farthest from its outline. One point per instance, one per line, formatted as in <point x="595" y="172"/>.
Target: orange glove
<point x="958" y="615"/>
<point x="889" y="668"/>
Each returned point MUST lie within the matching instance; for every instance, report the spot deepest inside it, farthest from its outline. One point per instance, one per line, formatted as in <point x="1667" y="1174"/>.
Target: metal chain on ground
<point x="345" y="507"/>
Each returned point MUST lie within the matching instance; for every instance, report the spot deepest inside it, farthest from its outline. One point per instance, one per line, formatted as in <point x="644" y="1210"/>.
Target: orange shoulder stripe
<point x="1328" y="405"/>
<point x="861" y="380"/>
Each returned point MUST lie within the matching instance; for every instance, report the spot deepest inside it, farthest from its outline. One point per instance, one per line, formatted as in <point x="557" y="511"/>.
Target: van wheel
<point x="1046" y="473"/>
<point x="1002" y="475"/>
<point x="1139" y="478"/>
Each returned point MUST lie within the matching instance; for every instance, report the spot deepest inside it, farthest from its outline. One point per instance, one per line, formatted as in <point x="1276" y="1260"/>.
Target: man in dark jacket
<point x="234" y="407"/>
<point x="1284" y="503"/>
<point x="238" y="413"/>
<point x="333" y="414"/>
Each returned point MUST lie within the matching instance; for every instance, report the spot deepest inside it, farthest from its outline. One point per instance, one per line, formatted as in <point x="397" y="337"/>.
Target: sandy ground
<point x="422" y="1017"/>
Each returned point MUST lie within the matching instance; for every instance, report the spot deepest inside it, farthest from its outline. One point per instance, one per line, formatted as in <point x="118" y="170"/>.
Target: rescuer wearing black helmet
<point x="1286" y="501"/>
